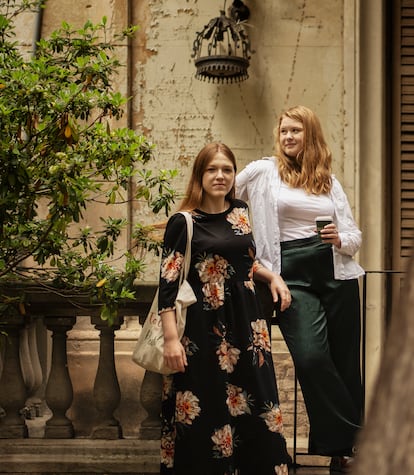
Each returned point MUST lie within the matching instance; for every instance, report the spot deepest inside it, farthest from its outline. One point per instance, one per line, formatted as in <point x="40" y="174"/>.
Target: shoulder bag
<point x="149" y="349"/>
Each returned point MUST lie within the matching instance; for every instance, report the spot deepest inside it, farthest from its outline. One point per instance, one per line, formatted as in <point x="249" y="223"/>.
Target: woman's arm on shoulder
<point x="249" y="174"/>
<point x="242" y="182"/>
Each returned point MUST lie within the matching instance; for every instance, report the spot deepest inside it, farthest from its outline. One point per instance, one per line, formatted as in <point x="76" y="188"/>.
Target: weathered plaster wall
<point x="298" y="59"/>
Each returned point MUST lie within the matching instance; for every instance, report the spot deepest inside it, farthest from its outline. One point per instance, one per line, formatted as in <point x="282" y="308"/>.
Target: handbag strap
<point x="187" y="255"/>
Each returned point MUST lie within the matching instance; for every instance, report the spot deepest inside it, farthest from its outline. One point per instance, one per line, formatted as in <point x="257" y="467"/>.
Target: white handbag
<point x="149" y="349"/>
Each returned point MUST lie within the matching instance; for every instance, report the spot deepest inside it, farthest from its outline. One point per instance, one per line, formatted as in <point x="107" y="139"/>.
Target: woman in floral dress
<point x="220" y="411"/>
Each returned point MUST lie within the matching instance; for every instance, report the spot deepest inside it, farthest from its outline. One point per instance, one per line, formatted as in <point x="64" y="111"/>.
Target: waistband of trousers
<point x="303" y="242"/>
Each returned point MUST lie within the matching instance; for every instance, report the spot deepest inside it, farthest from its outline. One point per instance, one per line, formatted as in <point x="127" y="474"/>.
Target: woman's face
<point x="218" y="177"/>
<point x="291" y="136"/>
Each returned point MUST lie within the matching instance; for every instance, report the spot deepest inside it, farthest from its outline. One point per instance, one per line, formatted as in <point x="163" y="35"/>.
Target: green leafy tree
<point x="59" y="154"/>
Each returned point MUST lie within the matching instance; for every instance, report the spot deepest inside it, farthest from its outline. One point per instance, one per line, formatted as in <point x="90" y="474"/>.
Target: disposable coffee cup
<point x="322" y="221"/>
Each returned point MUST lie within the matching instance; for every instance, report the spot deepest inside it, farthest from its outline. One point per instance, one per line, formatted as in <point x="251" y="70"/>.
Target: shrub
<point x="60" y="153"/>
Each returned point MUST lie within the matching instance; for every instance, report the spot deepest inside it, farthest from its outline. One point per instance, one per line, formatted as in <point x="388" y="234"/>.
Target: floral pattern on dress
<point x="238" y="401"/>
<point x="213" y="270"/>
<point x="171" y="266"/>
<point x="273" y="418"/>
<point x="213" y="295"/>
<point x="261" y="337"/>
<point x="239" y="219"/>
<point x="261" y="341"/>
<point x="167" y="449"/>
<point x="190" y="347"/>
<point x="167" y="382"/>
<point x="187" y="407"/>
<point x="228" y="356"/>
<point x="223" y="442"/>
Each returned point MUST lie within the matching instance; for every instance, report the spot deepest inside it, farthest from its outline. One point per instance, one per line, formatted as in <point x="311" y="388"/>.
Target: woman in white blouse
<point x="322" y="325"/>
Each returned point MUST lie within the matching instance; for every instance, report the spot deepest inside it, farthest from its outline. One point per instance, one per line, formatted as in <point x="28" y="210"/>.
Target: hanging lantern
<point x="222" y="49"/>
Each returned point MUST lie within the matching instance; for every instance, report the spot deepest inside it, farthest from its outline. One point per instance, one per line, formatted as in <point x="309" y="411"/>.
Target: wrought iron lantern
<point x="222" y="50"/>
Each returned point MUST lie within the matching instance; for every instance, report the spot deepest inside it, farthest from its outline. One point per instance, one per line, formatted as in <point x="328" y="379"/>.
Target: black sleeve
<point x="172" y="260"/>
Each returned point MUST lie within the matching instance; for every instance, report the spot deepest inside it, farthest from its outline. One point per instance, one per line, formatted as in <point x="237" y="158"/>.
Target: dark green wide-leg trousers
<point x="322" y="331"/>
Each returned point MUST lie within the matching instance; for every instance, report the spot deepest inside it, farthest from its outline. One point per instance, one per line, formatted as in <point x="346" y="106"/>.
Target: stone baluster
<point x="150" y="398"/>
<point x="44" y="351"/>
<point x="35" y="400"/>
<point x="25" y="359"/>
<point x="30" y="364"/>
<point x="59" y="390"/>
<point x="106" y="390"/>
<point x="12" y="386"/>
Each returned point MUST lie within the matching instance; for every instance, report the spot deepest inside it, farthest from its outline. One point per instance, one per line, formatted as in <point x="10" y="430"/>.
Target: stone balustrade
<point x="33" y="377"/>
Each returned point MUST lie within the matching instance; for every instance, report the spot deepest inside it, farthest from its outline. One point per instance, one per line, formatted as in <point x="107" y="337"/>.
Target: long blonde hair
<point x="194" y="192"/>
<point x="311" y="169"/>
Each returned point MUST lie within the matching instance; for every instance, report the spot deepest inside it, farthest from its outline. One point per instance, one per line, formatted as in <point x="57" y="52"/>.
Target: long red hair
<point x="311" y="169"/>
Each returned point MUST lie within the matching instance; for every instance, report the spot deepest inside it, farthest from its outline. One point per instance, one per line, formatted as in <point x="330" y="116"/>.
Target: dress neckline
<point x="204" y="213"/>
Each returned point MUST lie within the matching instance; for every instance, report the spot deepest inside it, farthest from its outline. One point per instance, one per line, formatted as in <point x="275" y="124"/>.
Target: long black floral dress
<point x="222" y="416"/>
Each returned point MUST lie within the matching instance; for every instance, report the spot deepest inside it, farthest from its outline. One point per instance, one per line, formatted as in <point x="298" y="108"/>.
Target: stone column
<point x="30" y="364"/>
<point x="25" y="358"/>
<point x="150" y="398"/>
<point x="106" y="391"/>
<point x="59" y="391"/>
<point x="36" y="398"/>
<point x="12" y="387"/>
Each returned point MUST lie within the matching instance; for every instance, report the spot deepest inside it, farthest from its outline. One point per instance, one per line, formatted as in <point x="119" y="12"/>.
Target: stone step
<point x="79" y="456"/>
<point x="85" y="456"/>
